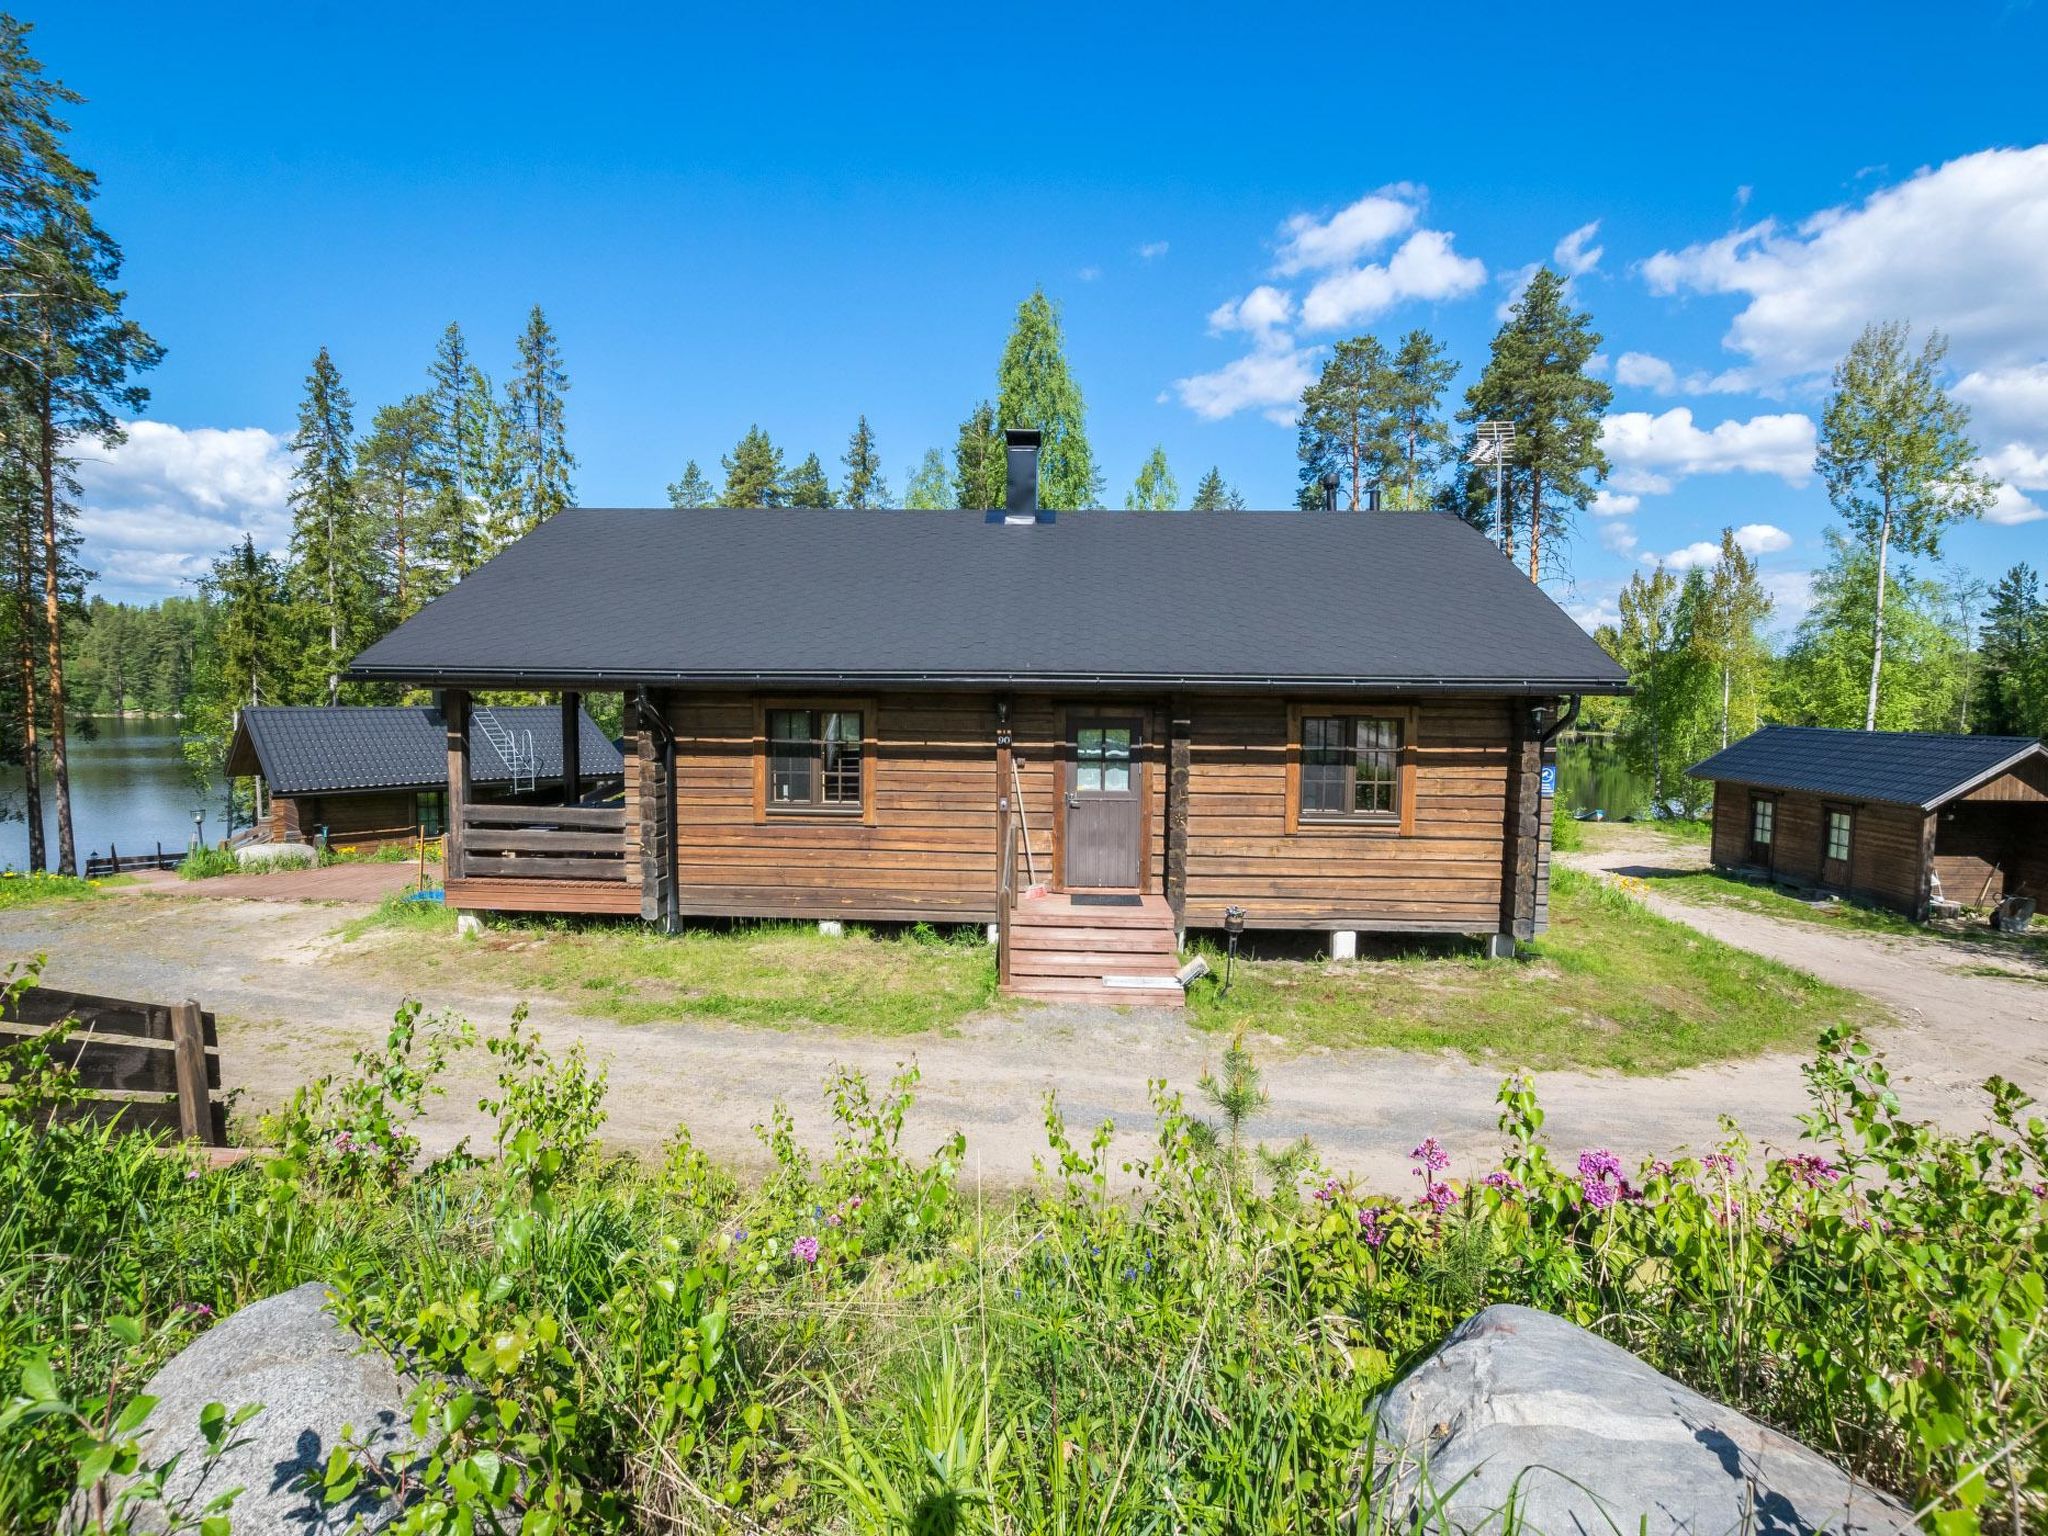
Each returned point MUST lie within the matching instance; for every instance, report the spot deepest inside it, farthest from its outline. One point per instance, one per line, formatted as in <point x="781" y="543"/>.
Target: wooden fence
<point x="118" y="863"/>
<point x="156" y="1066"/>
<point x="543" y="842"/>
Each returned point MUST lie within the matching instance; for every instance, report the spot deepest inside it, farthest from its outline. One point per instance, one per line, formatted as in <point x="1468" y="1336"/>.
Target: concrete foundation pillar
<point x="831" y="928"/>
<point x="1500" y="946"/>
<point x="1344" y="944"/>
<point x="995" y="933"/>
<point x="468" y="925"/>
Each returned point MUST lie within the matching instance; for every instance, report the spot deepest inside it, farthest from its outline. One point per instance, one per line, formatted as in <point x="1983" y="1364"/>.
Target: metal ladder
<point x="516" y="750"/>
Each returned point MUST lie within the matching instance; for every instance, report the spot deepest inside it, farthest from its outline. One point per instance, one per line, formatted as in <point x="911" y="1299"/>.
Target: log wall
<point x="1888" y="855"/>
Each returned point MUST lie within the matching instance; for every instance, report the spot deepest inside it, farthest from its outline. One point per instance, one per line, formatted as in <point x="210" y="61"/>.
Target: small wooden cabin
<point x="365" y="775"/>
<point x="1897" y="818"/>
<point x="1103" y="727"/>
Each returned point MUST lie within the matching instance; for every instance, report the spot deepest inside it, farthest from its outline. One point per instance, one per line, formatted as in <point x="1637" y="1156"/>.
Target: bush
<point x="1190" y="1340"/>
<point x="205" y="863"/>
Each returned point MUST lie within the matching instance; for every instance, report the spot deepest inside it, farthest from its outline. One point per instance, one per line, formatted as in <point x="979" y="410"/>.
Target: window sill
<point x="815" y="813"/>
<point x="1384" y="826"/>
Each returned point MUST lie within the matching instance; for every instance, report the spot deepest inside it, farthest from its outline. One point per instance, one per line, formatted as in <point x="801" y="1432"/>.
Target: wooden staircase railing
<point x="542" y="842"/>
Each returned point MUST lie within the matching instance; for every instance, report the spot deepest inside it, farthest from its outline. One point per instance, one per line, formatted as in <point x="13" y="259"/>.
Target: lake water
<point x="129" y="789"/>
<point x="1592" y="777"/>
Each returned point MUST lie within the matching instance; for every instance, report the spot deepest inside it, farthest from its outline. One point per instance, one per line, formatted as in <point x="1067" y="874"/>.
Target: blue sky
<point x="786" y="216"/>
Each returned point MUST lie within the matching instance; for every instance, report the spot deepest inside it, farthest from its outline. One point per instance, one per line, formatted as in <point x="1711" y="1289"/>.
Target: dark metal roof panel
<point x="1916" y="768"/>
<point x="311" y="750"/>
<point x="735" y="594"/>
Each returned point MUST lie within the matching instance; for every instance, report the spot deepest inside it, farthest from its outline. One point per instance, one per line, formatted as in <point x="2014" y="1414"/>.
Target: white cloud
<point x="1651" y="453"/>
<point x="1425" y="267"/>
<point x="2018" y="465"/>
<point x="1152" y="250"/>
<point x="1309" y="244"/>
<point x="1618" y="538"/>
<point x="1608" y="503"/>
<point x="2010" y="509"/>
<point x="1576" y="255"/>
<point x="158" y="509"/>
<point x="1261" y="312"/>
<point x="1267" y="379"/>
<point x="1762" y="538"/>
<point x="1956" y="247"/>
<point x="1590" y="616"/>
<point x="2006" y="404"/>
<point x="1089" y="274"/>
<point x="1755" y="538"/>
<point x="1645" y="370"/>
<point x="1791" y="595"/>
<point x="1701" y="553"/>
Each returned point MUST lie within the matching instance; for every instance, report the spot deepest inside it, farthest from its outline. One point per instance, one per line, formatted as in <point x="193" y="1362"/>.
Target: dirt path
<point x="293" y="1005"/>
<point x="1956" y="1028"/>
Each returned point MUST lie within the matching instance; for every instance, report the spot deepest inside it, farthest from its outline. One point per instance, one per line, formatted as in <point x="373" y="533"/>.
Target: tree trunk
<point x="31" y="748"/>
<point x="1884" y="540"/>
<point x="1536" y="525"/>
<point x="1507" y="517"/>
<point x="60" y="767"/>
<point x="1725" y="670"/>
<point x="1354" y="463"/>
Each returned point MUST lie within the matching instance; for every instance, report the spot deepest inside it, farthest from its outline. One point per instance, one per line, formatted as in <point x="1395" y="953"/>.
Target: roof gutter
<point x="515" y="677"/>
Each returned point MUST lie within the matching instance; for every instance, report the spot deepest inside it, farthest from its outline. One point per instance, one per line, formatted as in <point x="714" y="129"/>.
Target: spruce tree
<point x="693" y="490"/>
<point x="1416" y="380"/>
<point x="753" y="473"/>
<point x="978" y="460"/>
<point x="536" y="419"/>
<point x="247" y="658"/>
<point x="1896" y="457"/>
<point x="332" y="545"/>
<point x="455" y="535"/>
<point x="1155" y="490"/>
<point x="807" y="485"/>
<point x="1213" y="494"/>
<point x="928" y="488"/>
<point x="865" y="485"/>
<point x="1536" y="378"/>
<point x="2012" y="697"/>
<point x="399" y="469"/>
<point x="1036" y="388"/>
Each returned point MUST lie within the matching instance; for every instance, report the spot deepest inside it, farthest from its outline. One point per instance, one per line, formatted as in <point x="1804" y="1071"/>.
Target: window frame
<point x="1828" y="813"/>
<point x="1770" y="838"/>
<point x="440" y="799"/>
<point x="819" y="810"/>
<point x="1396" y="822"/>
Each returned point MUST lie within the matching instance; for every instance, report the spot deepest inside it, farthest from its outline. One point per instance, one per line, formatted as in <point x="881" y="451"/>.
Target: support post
<point x="1006" y="845"/>
<point x="455" y="715"/>
<point x="572" y="747"/>
<point x="1344" y="944"/>
<point x="1179" y="755"/>
<point x="188" y="1049"/>
<point x="1522" y="820"/>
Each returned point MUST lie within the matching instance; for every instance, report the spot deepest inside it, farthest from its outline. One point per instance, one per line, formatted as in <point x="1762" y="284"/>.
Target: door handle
<point x="1073" y="800"/>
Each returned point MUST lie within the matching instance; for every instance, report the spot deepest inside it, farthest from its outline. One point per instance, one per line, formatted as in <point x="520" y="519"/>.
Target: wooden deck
<point x="1064" y="951"/>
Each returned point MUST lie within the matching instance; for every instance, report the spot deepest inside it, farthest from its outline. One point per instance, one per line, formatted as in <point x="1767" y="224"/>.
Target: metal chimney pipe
<point x="1331" y="480"/>
<point x="1020" y="470"/>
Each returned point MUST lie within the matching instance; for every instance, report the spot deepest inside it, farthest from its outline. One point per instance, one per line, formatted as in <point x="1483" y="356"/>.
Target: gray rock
<point x="312" y="1377"/>
<point x="276" y="856"/>
<point x="1585" y="1438"/>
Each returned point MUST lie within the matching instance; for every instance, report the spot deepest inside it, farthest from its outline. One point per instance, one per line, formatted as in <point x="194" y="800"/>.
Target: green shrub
<point x="863" y="1341"/>
<point x="205" y="863"/>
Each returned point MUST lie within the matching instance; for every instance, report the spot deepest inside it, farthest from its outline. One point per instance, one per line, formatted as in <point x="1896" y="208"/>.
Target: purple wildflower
<point x="1326" y="1191"/>
<point x="1718" y="1162"/>
<point x="1596" y="1167"/>
<point x="1506" y="1183"/>
<point x="1439" y="1196"/>
<point x="1811" y="1170"/>
<point x="1369" y="1226"/>
<point x="199" y="1311"/>
<point x="804" y="1250"/>
<point x="833" y="1220"/>
<point x="1432" y="1156"/>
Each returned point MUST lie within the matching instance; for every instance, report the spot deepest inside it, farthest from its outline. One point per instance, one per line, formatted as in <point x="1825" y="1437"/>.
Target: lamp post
<point x="1233" y="930"/>
<point x="198" y="828"/>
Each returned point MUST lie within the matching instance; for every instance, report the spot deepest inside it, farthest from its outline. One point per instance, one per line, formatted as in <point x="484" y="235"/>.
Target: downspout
<point x="1562" y="723"/>
<point x="671" y="900"/>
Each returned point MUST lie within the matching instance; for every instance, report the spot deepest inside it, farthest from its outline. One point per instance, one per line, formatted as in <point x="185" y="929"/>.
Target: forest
<point x="392" y="506"/>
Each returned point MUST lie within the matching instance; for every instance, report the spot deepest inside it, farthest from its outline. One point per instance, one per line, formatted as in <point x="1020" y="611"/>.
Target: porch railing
<point x="1006" y="892"/>
<point x="543" y="842"/>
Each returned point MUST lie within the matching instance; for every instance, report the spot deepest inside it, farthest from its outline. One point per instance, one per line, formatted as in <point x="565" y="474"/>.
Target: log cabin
<point x="1088" y="730"/>
<point x="364" y="776"/>
<point x="1899" y="819"/>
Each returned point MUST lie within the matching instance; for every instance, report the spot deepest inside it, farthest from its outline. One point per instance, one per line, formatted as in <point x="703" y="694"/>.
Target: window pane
<point x="841" y="758"/>
<point x="1760" y="823"/>
<point x="1379" y="743"/>
<point x="1116" y="759"/>
<point x="1838" y="835"/>
<point x="1325" y="766"/>
<point x="792" y="758"/>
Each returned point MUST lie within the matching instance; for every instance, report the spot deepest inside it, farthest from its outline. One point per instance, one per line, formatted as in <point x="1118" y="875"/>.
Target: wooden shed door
<point x="1105" y="813"/>
<point x="1763" y="830"/>
<point x="1837" y="835"/>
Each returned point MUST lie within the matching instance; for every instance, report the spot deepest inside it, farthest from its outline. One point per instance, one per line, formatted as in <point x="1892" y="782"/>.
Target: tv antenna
<point x="1493" y="442"/>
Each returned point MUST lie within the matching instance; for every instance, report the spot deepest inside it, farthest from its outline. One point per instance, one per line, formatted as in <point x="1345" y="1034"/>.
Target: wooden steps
<point x="1063" y="952"/>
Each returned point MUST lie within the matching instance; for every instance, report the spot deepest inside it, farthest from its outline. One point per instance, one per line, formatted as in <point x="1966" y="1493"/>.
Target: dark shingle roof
<point x="1218" y="598"/>
<point x="1899" y="767"/>
<point x="308" y="750"/>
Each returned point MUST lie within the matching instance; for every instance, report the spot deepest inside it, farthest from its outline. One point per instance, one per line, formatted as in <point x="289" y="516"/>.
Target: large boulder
<point x="1584" y="1437"/>
<point x="313" y="1378"/>
<point x="260" y="856"/>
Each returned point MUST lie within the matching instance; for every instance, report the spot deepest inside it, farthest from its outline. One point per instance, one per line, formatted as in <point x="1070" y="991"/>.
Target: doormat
<point x="1107" y="901"/>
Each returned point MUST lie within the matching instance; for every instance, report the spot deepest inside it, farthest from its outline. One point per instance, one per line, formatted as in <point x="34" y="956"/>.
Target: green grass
<point x="1611" y="985"/>
<point x="1705" y="888"/>
<point x="19" y="890"/>
<point x="779" y="975"/>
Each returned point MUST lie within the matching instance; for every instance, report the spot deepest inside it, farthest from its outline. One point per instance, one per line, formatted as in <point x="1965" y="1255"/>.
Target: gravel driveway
<point x="294" y="1002"/>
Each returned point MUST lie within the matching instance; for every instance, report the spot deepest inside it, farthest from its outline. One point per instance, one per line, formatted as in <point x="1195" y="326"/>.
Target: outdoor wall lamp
<point x="1233" y="930"/>
<point x="199" y="827"/>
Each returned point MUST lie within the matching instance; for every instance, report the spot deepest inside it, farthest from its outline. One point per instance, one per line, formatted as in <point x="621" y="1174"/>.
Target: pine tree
<point x="693" y="490"/>
<point x="1416" y="380"/>
<point x="537" y="423"/>
<point x="1725" y="632"/>
<point x="455" y="537"/>
<point x="68" y="354"/>
<point x="807" y="485"/>
<point x="399" y="467"/>
<point x="1536" y="379"/>
<point x="753" y="473"/>
<point x="1214" y="495"/>
<point x="928" y="488"/>
<point x="1348" y="407"/>
<point x="2012" y="685"/>
<point x="978" y="460"/>
<point x="865" y="485"/>
<point x="332" y="542"/>
<point x="22" y="619"/>
<point x="1896" y="456"/>
<point x="246" y="658"/>
<point x="1317" y="452"/>
<point x="1035" y="388"/>
<point x="1156" y="490"/>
